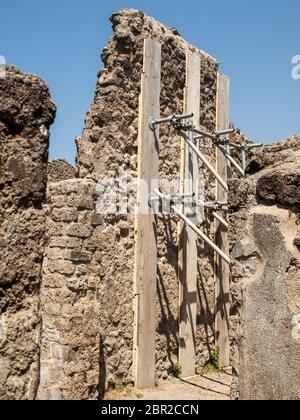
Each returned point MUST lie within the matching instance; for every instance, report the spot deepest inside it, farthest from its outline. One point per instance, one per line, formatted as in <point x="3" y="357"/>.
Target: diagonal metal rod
<point x="221" y="220"/>
<point x="216" y="206"/>
<point x="203" y="133"/>
<point x="224" y="132"/>
<point x="204" y="160"/>
<point x="196" y="230"/>
<point x="233" y="161"/>
<point x="172" y="119"/>
<point x="223" y="150"/>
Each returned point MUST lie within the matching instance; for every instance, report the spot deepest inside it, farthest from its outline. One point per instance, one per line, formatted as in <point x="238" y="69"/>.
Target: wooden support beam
<point x="222" y="269"/>
<point x="145" y="273"/>
<point x="188" y="238"/>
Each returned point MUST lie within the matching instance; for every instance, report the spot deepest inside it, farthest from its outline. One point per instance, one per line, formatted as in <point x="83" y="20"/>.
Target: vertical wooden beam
<point x="145" y="273"/>
<point x="187" y="238"/>
<point x="222" y="269"/>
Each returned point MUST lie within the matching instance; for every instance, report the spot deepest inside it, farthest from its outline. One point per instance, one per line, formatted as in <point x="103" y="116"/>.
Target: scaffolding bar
<point x="233" y="161"/>
<point x="196" y="230"/>
<point x="216" y="206"/>
<point x="227" y="155"/>
<point x="224" y="132"/>
<point x="221" y="220"/>
<point x="255" y="146"/>
<point x="172" y="119"/>
<point x="205" y="161"/>
<point x="203" y="133"/>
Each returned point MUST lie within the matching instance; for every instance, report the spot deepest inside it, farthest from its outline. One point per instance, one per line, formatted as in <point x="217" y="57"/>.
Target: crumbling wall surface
<point x="26" y="112"/>
<point x="60" y="170"/>
<point x="108" y="145"/>
<point x="266" y="278"/>
<point x="71" y="342"/>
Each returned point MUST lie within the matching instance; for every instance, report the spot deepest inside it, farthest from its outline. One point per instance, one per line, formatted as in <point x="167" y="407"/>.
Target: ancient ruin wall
<point x="265" y="249"/>
<point x="72" y="335"/>
<point x="26" y="112"/>
<point x="59" y="170"/>
<point x="108" y="145"/>
<point x="71" y="341"/>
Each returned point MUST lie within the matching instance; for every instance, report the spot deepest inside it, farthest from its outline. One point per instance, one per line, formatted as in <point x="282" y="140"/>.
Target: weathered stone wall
<point x="108" y="145"/>
<point x="70" y="295"/>
<point x="266" y="277"/>
<point x="26" y="113"/>
<point x="72" y="336"/>
<point x="60" y="170"/>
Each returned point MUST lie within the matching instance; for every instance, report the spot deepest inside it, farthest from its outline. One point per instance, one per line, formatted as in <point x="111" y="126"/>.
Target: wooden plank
<point x="222" y="269"/>
<point x="145" y="273"/>
<point x="187" y="238"/>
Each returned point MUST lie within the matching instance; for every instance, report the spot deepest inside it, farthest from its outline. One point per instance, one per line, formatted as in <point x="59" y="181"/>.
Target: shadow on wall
<point x="171" y="247"/>
<point x="102" y="370"/>
<point x="169" y="322"/>
<point x="206" y="296"/>
<point x="168" y="325"/>
<point x="205" y="316"/>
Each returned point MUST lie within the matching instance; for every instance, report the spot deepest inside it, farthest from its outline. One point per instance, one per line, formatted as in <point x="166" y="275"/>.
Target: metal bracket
<point x="152" y="123"/>
<point x="174" y="120"/>
<point x="214" y="206"/>
<point x="245" y="147"/>
<point x="173" y="199"/>
<point x="223" y="143"/>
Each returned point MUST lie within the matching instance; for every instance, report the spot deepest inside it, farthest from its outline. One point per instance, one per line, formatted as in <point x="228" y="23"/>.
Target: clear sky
<point x="254" y="40"/>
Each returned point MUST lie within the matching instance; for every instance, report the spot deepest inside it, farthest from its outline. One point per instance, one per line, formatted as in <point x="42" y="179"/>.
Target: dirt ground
<point x="213" y="386"/>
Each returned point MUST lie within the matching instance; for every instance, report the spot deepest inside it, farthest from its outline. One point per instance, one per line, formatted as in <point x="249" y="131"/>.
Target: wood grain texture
<point x="187" y="238"/>
<point x="145" y="277"/>
<point x="222" y="269"/>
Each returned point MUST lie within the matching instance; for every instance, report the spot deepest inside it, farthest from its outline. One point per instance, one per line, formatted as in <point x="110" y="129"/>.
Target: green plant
<point x="213" y="364"/>
<point x="177" y="370"/>
<point x="119" y="387"/>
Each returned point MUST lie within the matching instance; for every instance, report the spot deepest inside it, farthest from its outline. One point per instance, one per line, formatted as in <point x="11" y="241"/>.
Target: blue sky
<point x="61" y="41"/>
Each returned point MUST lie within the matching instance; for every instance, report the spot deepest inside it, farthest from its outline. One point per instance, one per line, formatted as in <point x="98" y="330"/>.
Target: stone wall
<point x="70" y="295"/>
<point x="66" y="273"/>
<point x="26" y="113"/>
<point x="86" y="298"/>
<point x="108" y="145"/>
<point x="60" y="170"/>
<point x="266" y="277"/>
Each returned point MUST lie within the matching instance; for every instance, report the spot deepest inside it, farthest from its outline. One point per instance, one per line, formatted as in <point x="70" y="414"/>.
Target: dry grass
<point x="122" y="393"/>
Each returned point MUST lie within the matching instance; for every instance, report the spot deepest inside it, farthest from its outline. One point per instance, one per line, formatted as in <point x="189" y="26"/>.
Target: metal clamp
<point x="245" y="147"/>
<point x="214" y="206"/>
<point x="224" y="132"/>
<point x="172" y="199"/>
<point x="174" y="119"/>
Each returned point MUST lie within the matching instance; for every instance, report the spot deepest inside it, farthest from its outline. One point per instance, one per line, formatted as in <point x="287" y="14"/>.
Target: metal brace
<point x="175" y="120"/>
<point x="223" y="143"/>
<point x="189" y="223"/>
<point x="174" y="199"/>
<point x="214" y="206"/>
